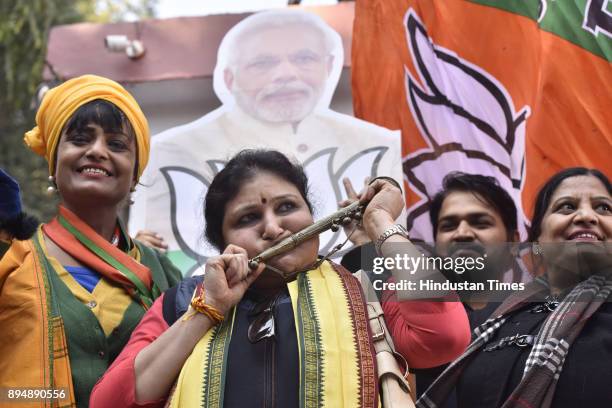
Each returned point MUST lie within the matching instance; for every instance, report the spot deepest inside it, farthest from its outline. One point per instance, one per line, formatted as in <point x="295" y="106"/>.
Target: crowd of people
<point x="87" y="309"/>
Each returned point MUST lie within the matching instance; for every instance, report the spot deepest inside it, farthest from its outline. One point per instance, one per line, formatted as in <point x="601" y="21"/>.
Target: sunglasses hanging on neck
<point x="263" y="325"/>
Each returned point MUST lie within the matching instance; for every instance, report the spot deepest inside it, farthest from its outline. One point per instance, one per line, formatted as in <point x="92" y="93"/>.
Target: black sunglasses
<point x="263" y="325"/>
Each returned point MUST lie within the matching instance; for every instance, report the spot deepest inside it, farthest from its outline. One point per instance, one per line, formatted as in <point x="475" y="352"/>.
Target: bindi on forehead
<point x="263" y="200"/>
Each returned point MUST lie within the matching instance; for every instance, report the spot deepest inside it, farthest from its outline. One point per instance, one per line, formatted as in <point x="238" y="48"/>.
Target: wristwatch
<point x="392" y="230"/>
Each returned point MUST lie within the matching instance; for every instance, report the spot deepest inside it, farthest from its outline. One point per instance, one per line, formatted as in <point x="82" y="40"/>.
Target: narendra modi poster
<point x="275" y="75"/>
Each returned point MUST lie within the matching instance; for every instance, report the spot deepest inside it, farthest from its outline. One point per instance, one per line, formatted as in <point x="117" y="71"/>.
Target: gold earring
<point x="132" y="190"/>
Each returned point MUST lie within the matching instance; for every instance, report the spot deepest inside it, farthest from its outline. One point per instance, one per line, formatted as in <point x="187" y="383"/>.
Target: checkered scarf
<point x="545" y="361"/>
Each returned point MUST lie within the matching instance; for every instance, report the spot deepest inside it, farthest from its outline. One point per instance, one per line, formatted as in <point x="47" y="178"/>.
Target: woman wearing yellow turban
<point x="71" y="296"/>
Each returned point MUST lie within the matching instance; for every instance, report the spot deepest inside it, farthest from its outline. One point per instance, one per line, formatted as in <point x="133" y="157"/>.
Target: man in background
<point x="472" y="215"/>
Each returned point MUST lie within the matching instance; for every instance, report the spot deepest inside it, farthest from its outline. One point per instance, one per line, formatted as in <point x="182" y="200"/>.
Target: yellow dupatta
<point x="32" y="329"/>
<point x="336" y="357"/>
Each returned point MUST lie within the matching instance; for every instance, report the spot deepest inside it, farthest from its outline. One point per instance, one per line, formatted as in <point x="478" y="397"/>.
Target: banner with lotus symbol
<point x="512" y="89"/>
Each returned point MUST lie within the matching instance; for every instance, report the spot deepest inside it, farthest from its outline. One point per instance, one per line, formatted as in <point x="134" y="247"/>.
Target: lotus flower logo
<point x="468" y="120"/>
<point x="188" y="189"/>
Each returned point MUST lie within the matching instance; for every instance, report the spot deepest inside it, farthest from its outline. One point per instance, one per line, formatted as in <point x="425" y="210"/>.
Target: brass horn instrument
<point x="344" y="216"/>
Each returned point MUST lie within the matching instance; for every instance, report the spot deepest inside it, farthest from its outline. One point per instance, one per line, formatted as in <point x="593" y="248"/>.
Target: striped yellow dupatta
<point x="33" y="343"/>
<point x="337" y="366"/>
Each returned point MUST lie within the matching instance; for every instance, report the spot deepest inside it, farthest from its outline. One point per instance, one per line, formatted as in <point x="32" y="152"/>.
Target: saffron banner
<point x="512" y="89"/>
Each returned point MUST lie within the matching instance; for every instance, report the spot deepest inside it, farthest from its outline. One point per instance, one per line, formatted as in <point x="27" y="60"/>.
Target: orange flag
<point x="513" y="89"/>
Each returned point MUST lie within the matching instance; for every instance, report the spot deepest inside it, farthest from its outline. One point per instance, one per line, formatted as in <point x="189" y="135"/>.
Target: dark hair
<point x="548" y="189"/>
<point x="22" y="226"/>
<point x="484" y="186"/>
<point x="104" y="114"/>
<point x="239" y="170"/>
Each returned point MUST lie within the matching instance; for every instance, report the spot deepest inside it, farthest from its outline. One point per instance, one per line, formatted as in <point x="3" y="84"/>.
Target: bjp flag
<point x="512" y="89"/>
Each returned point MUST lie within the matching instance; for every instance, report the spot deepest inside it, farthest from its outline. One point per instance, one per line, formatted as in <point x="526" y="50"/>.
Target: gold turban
<point x="61" y="102"/>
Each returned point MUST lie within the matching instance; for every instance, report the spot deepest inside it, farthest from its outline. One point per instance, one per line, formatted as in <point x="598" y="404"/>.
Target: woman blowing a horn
<point x="238" y="337"/>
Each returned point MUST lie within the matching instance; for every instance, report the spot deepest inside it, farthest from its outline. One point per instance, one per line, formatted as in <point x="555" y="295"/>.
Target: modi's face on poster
<point x="277" y="74"/>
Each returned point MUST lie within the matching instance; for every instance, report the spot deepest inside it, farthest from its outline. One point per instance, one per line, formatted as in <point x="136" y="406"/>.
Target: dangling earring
<point x="131" y="200"/>
<point x="536" y="248"/>
<point x="52" y="189"/>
